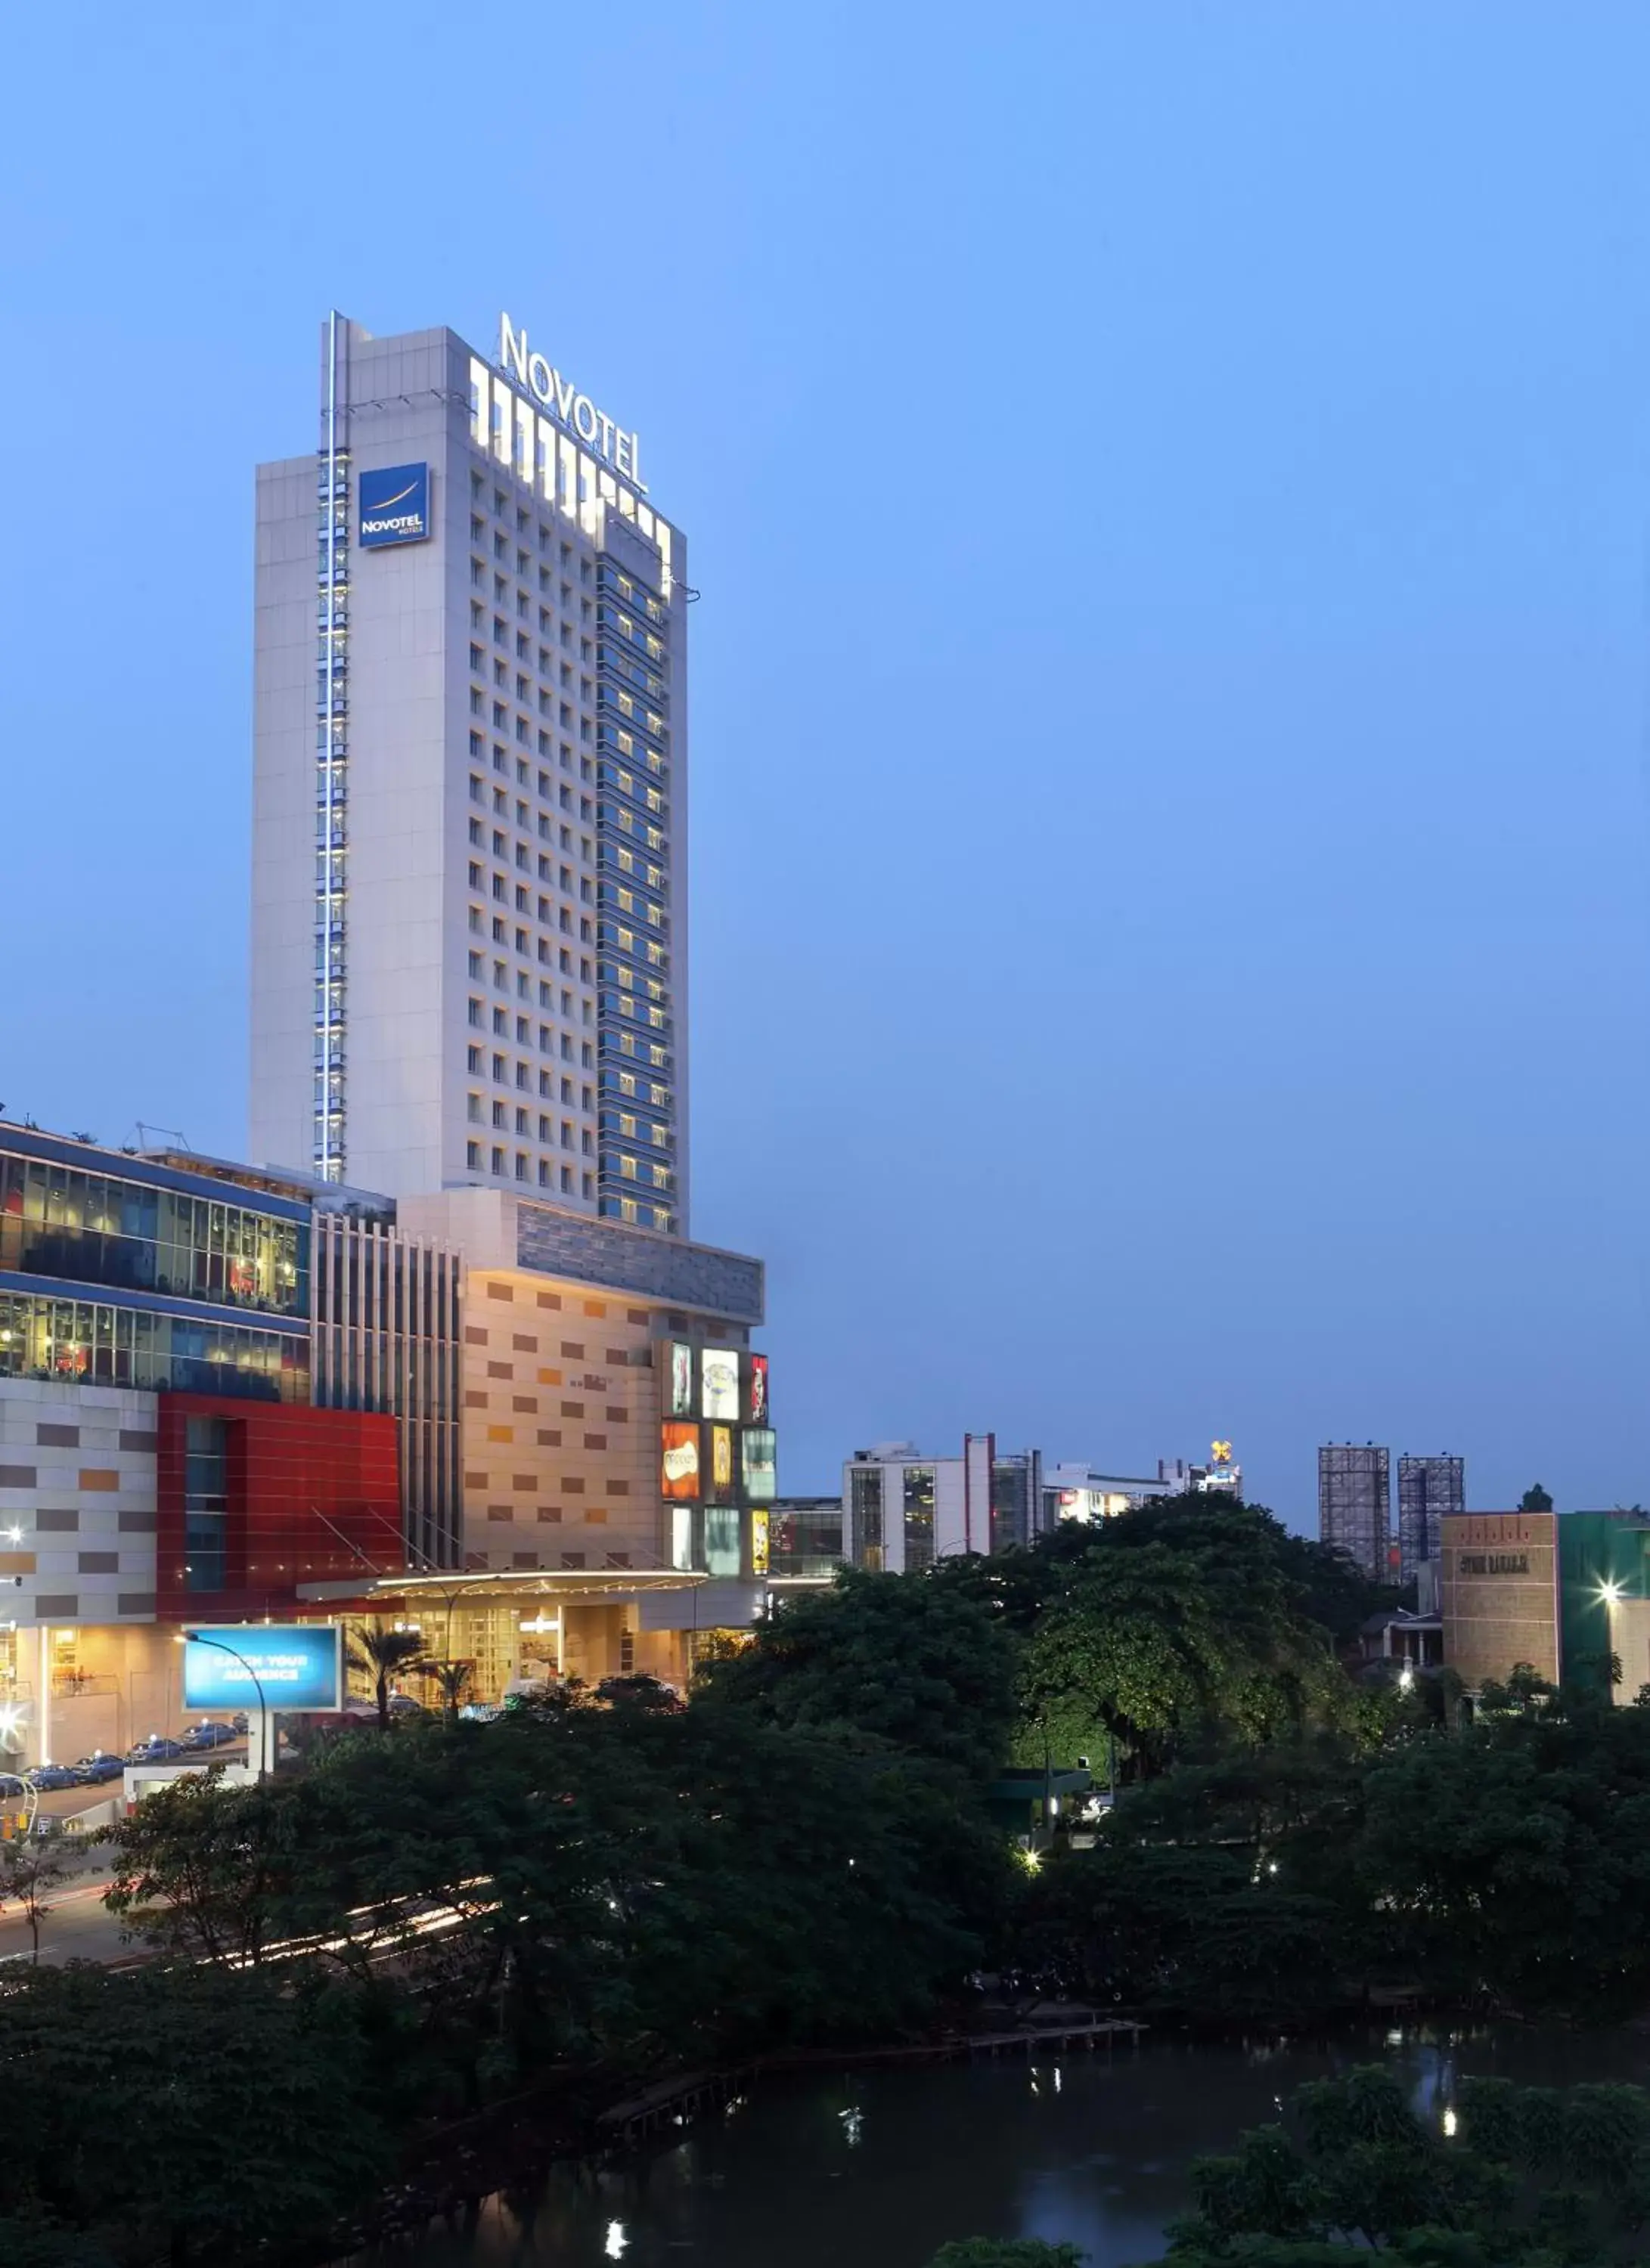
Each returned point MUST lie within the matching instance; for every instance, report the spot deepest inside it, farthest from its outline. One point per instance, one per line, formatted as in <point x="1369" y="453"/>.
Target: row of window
<point x="500" y="1118"/>
<point x="506" y="1072"/>
<point x="96" y="1228"/>
<point x="548" y="1176"/>
<point x="81" y="1339"/>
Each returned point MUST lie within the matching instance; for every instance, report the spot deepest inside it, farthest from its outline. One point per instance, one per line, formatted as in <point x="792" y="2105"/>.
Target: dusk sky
<point x="1168" y="485"/>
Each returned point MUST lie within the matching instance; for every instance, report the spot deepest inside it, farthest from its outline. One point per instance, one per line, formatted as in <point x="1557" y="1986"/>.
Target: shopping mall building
<point x="228" y="1395"/>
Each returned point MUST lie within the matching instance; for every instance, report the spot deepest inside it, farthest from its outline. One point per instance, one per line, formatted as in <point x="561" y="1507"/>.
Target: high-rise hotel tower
<point x="469" y="876"/>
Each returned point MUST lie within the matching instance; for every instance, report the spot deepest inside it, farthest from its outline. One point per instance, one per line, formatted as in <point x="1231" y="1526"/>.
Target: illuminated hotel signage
<point x="395" y="505"/>
<point x="572" y="410"/>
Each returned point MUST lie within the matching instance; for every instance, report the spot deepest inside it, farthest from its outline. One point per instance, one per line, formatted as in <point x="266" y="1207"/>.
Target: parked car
<point x="91" y="1772"/>
<point x="157" y="1751"/>
<point x="210" y="1735"/>
<point x="45" y="1779"/>
<point x="12" y="1790"/>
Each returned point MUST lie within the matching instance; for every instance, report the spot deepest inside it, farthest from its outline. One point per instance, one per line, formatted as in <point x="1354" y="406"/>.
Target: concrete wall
<point x="77" y="1503"/>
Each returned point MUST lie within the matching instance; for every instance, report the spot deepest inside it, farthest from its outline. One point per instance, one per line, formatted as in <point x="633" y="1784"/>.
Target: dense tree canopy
<point x="1528" y="2179"/>
<point x="917" y="1664"/>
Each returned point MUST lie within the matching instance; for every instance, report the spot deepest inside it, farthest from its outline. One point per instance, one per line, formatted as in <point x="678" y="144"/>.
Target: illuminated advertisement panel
<point x="721" y="1461"/>
<point x="681" y="1535"/>
<point x="678" y="1401"/>
<point x="263" y="1665"/>
<point x="758" y="1389"/>
<point x="721" y="1541"/>
<point x="679" y="1460"/>
<point x="757" y="1450"/>
<point x="759" y="1543"/>
<point x="719" y="1369"/>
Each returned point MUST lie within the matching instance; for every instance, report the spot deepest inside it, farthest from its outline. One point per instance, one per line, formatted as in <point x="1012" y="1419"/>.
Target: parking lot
<point x="65" y="1803"/>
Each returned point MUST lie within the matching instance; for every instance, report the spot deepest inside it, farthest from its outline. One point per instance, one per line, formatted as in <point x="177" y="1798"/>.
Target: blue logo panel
<point x="297" y="1665"/>
<point x="394" y="506"/>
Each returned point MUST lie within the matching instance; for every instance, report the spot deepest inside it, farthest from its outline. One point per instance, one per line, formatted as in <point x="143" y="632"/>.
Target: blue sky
<point x="1167" y="484"/>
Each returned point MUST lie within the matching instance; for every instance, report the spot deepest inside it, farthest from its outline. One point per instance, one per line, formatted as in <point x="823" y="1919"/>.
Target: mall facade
<point x="228" y="1395"/>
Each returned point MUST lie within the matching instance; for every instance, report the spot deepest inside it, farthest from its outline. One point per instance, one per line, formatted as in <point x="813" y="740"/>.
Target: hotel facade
<point x="470" y="959"/>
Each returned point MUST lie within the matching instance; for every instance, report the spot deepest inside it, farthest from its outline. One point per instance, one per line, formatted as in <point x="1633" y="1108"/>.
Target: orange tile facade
<point x="561" y="1426"/>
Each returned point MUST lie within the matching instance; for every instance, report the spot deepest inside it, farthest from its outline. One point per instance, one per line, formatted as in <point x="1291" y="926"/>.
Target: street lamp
<point x="200" y="1638"/>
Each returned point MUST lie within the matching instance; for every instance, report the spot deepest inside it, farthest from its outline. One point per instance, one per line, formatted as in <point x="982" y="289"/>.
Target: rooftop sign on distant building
<point x="574" y="410"/>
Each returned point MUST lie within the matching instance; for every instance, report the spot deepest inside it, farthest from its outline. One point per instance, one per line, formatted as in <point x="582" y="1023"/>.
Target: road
<point x="77" y="1927"/>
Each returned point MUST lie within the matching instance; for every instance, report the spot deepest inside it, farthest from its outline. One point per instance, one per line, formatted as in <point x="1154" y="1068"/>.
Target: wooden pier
<point x="1062" y="2038"/>
<point x="673" y="2102"/>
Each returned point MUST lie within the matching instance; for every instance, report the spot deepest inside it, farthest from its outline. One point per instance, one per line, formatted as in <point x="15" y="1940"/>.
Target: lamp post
<point x="200" y="1638"/>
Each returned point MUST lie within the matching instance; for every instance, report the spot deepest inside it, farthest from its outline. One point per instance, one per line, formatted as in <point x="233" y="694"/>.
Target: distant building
<point x="1430" y="1491"/>
<point x="1605" y="1598"/>
<point x="904" y="1510"/>
<point x="804" y="1537"/>
<point x="1355" y="1505"/>
<point x="1079" y="1492"/>
<point x="1498" y="1593"/>
<point x="1220" y="1476"/>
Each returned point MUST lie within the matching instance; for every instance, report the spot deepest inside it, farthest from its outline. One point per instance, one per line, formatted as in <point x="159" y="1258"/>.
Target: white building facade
<point x="469" y="877"/>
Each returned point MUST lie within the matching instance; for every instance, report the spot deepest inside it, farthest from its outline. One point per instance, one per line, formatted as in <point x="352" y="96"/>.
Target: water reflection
<point x="881" y="2167"/>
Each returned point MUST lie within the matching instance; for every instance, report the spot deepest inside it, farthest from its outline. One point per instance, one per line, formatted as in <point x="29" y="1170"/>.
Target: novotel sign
<point x="574" y="411"/>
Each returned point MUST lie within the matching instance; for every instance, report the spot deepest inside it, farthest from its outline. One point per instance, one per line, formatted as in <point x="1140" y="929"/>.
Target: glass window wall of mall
<point x="81" y="1341"/>
<point x="97" y="1228"/>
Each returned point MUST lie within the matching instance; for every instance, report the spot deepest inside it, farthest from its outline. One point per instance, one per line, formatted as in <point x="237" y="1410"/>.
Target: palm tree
<point x="380" y="1654"/>
<point x="451" y="1677"/>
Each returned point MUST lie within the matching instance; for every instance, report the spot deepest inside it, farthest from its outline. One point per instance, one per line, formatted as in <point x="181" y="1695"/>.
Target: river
<point x="877" y="2168"/>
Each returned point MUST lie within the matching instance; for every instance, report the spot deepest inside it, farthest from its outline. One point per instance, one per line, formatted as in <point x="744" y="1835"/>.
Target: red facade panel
<point x="313" y="1496"/>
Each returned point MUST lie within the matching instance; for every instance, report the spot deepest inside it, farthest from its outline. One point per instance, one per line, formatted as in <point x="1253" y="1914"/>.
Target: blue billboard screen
<point x="395" y="505"/>
<point x="297" y="1665"/>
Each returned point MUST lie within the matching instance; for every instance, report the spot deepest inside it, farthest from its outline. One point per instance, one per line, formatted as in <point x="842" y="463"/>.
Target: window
<point x="472" y="1157"/>
<point x="476" y="1013"/>
<point x="206" y="1503"/>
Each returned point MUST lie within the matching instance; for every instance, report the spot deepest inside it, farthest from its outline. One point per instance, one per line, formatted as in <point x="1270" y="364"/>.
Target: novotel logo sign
<point x="395" y="505"/>
<point x="575" y="411"/>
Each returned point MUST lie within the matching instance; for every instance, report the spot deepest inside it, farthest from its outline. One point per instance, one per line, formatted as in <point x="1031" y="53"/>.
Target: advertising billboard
<point x="679" y="1393"/>
<point x="395" y="505"/>
<point x="720" y="1370"/>
<point x="721" y="1540"/>
<point x="297" y="1665"/>
<point x="758" y="1389"/>
<point x="757" y="1447"/>
<point x="722" y="1461"/>
<point x="759" y="1543"/>
<point x="679" y="1461"/>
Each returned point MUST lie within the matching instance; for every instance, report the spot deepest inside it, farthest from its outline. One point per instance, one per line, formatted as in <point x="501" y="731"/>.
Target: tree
<point x="200" y="1867"/>
<point x="450" y="1679"/>
<point x="170" y="2110"/>
<point x="1513" y="1861"/>
<point x="382" y="1653"/>
<point x="1529" y="2178"/>
<point x="28" y="1870"/>
<point x="1187" y="1619"/>
<point x="904" y="1661"/>
<point x="1535" y="1500"/>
